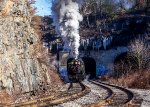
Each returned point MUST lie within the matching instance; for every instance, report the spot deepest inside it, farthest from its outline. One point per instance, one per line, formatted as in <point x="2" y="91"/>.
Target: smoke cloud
<point x="66" y="19"/>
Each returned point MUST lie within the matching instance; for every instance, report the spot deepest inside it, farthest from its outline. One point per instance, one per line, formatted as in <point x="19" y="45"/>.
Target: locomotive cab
<point x="75" y="70"/>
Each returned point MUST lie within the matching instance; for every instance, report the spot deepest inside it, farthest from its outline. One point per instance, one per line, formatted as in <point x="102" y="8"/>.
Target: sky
<point x="43" y="7"/>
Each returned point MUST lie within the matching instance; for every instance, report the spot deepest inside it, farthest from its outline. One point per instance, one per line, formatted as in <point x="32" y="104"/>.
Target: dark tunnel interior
<point x="90" y="67"/>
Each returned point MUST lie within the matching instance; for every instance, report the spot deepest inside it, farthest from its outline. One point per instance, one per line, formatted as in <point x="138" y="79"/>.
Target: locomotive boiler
<point x="75" y="70"/>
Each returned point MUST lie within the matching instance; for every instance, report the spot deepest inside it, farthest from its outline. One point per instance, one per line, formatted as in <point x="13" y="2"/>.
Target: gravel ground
<point x="143" y="94"/>
<point x="97" y="93"/>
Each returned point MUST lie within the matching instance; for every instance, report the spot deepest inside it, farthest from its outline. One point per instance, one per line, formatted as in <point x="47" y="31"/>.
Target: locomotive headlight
<point x="79" y="63"/>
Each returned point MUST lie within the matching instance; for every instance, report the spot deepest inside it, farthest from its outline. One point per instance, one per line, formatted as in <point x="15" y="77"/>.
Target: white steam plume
<point x="66" y="19"/>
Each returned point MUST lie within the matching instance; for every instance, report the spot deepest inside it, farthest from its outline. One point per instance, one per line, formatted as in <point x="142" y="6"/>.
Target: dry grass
<point x="43" y="55"/>
<point x="37" y="23"/>
<point x="138" y="79"/>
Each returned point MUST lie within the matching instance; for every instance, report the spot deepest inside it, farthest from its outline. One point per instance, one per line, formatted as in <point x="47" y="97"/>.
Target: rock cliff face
<point x="20" y="69"/>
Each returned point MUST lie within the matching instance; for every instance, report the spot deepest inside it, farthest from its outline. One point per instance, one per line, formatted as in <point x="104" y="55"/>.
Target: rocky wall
<point x="20" y="70"/>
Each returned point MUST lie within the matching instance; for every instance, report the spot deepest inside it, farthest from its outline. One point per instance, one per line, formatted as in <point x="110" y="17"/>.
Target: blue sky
<point x="43" y="7"/>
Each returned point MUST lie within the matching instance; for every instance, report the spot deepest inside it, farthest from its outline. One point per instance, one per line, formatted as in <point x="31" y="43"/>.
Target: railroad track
<point x="96" y="94"/>
<point x="118" y="97"/>
<point x="49" y="101"/>
<point x="113" y="96"/>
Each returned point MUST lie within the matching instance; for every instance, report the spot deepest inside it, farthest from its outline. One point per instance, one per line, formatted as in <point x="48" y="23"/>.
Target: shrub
<point x="139" y="52"/>
<point x="123" y="65"/>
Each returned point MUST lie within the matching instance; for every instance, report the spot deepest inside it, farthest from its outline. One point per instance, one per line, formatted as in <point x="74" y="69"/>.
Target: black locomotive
<point x="75" y="70"/>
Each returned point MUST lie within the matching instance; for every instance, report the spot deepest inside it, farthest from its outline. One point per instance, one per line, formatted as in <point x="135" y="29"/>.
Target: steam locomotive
<point x="75" y="70"/>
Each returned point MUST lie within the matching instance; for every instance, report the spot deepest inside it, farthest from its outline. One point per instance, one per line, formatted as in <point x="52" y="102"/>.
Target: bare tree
<point x="97" y="7"/>
<point x="139" y="51"/>
<point x="139" y="4"/>
<point x="148" y="3"/>
<point x="87" y="9"/>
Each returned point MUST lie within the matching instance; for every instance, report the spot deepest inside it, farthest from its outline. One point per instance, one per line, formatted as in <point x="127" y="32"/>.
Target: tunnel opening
<point x="90" y="66"/>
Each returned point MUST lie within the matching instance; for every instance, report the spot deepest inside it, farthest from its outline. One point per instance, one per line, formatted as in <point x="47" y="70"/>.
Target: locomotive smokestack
<point x="66" y="18"/>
